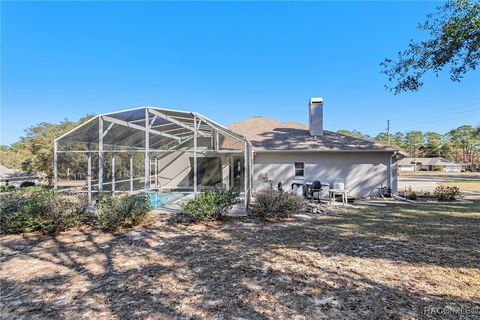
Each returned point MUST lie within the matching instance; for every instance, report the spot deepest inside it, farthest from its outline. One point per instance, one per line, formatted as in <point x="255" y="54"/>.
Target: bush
<point x="122" y="211"/>
<point x="25" y="184"/>
<point x="36" y="209"/>
<point x="411" y="195"/>
<point x="210" y="205"/>
<point x="444" y="193"/>
<point x="7" y="188"/>
<point x="277" y="204"/>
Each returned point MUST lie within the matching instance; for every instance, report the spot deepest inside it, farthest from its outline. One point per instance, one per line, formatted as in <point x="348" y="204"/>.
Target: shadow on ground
<point x="363" y="263"/>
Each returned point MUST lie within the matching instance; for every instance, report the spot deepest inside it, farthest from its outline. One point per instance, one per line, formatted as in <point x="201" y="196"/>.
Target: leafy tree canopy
<point x="454" y="43"/>
<point x="34" y="151"/>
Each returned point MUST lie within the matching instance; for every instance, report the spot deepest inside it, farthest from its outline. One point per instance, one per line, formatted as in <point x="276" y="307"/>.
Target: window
<point x="209" y="171"/>
<point x="299" y="169"/>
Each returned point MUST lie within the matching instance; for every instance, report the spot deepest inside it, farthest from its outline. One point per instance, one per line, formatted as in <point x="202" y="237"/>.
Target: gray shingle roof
<point x="270" y="135"/>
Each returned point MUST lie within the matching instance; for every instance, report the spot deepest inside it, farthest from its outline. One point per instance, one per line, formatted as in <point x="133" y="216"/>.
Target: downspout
<point x="390" y="176"/>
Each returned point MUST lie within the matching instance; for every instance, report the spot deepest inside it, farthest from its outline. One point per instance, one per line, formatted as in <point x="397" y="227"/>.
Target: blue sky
<point x="228" y="61"/>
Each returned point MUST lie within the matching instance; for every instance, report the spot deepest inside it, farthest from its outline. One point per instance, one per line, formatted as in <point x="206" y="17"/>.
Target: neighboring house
<point x="429" y="164"/>
<point x="293" y="152"/>
<point x="15" y="178"/>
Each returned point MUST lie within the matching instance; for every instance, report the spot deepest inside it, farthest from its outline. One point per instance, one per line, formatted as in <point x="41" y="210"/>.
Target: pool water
<point x="160" y="199"/>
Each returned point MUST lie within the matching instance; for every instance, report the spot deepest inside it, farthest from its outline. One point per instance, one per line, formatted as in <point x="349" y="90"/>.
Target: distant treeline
<point x="34" y="151"/>
<point x="461" y="144"/>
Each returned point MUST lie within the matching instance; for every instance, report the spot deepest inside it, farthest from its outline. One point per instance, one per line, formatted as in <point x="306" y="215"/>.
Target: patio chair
<point x="316" y="188"/>
<point x="298" y="189"/>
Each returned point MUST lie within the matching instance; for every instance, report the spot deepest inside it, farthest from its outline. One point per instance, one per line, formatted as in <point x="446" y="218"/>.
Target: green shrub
<point x="25" y="184"/>
<point x="445" y="193"/>
<point x="210" y="205"/>
<point x="7" y="188"/>
<point x="122" y="211"/>
<point x="36" y="209"/>
<point x="277" y="204"/>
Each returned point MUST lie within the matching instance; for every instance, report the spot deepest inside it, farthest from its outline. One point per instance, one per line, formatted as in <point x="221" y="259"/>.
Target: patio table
<point x="333" y="192"/>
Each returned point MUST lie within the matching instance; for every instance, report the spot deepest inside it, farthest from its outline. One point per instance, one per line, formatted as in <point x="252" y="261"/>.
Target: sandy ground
<point x="352" y="263"/>
<point x="428" y="181"/>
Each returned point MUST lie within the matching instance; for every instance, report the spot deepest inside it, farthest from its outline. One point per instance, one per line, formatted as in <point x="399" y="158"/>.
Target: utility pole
<point x="388" y="132"/>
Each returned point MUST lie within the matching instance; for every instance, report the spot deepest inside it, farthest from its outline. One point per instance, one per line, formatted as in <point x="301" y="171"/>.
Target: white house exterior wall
<point x="362" y="172"/>
<point x="406" y="167"/>
<point x="452" y="168"/>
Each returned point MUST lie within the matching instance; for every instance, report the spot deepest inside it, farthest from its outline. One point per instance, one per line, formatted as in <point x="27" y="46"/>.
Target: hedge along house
<point x="148" y="148"/>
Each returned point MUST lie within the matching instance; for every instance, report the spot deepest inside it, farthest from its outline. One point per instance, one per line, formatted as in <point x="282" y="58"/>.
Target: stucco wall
<point x="361" y="172"/>
<point x="175" y="168"/>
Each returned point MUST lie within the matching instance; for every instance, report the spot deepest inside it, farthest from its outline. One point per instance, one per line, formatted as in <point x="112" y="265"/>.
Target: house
<point x="165" y="149"/>
<point x="15" y="177"/>
<point x="429" y="164"/>
<point x="293" y="152"/>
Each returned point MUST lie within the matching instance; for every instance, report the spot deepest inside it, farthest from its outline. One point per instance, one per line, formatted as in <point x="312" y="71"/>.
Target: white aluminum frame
<point x="180" y="126"/>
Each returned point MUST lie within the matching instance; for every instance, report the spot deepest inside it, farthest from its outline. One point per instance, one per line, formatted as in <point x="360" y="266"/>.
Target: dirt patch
<point x="353" y="263"/>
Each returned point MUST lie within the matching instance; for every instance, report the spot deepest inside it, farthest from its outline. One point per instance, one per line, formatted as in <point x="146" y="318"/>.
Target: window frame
<point x="302" y="169"/>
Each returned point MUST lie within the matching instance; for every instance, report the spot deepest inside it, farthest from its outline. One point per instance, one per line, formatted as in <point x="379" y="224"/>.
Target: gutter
<point x="390" y="172"/>
<point x="330" y="150"/>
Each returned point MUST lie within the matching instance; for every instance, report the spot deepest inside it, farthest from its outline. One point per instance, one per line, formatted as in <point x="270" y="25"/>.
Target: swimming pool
<point x="160" y="199"/>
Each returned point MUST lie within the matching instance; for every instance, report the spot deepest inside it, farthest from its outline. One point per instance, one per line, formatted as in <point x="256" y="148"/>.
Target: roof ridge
<point x="269" y="119"/>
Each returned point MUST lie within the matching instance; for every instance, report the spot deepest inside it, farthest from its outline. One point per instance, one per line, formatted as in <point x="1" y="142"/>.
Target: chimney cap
<point x="316" y="100"/>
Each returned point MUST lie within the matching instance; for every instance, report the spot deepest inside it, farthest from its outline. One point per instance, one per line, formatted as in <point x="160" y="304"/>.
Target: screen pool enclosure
<point x="150" y="148"/>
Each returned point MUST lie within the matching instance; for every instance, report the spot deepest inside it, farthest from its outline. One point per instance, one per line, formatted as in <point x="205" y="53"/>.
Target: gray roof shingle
<point x="271" y="135"/>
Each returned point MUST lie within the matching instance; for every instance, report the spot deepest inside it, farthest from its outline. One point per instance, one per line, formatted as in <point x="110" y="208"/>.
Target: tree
<point x="12" y="156"/>
<point x="382" y="138"/>
<point x="433" y="145"/>
<point x="398" y="140"/>
<point x="354" y="133"/>
<point x="414" y="142"/>
<point x="467" y="139"/>
<point x="34" y="151"/>
<point x="447" y="151"/>
<point x="454" y="41"/>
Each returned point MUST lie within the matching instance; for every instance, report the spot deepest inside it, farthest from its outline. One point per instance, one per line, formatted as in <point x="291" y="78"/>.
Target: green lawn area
<point x="354" y="262"/>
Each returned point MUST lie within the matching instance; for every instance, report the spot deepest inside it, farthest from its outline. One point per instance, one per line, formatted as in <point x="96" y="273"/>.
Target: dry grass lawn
<point x="357" y="263"/>
<point x="464" y="185"/>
